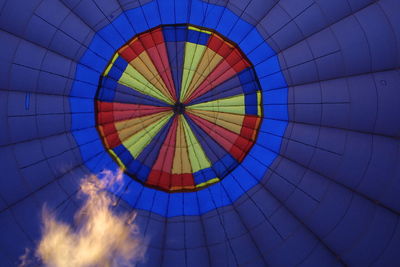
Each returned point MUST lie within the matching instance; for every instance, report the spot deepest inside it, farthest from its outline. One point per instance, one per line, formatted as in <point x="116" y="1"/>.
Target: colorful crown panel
<point x="178" y="107"/>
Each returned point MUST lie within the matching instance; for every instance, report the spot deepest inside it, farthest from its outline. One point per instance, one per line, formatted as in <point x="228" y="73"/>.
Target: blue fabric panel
<point x="260" y="54"/>
<point x="219" y="194"/>
<point x="101" y="47"/>
<point x="137" y="19"/>
<point x="232" y="187"/>
<point x="245" y="178"/>
<point x="83" y="105"/>
<point x="225" y="24"/>
<point x="175" y="34"/>
<point x="181" y="11"/>
<point x="251" y="104"/>
<point x="167" y="16"/>
<point x="175" y="204"/>
<point x="205" y="201"/>
<point x="143" y="172"/>
<point x="82" y="120"/>
<point x="124" y="27"/>
<point x="132" y="194"/>
<point x="83" y="89"/>
<point x="160" y="203"/>
<point x="152" y="14"/>
<point x="241" y="31"/>
<point x="204" y="175"/>
<point x="190" y="204"/>
<point x="251" y="41"/>
<point x="197" y="37"/>
<point x="146" y="199"/>
<point x="224" y="165"/>
<point x="112" y="36"/>
<point x="268" y="67"/>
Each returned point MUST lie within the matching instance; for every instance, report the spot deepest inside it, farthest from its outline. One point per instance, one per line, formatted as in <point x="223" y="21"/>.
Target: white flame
<point x="101" y="237"/>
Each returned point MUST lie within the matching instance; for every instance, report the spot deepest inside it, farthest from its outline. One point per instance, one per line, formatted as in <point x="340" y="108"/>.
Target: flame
<point x="101" y="237"/>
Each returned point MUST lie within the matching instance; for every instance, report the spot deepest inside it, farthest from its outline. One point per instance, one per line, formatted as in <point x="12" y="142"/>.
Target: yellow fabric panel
<point x="129" y="127"/>
<point x="234" y="104"/>
<point x="133" y="79"/>
<point x="259" y="111"/>
<point x="181" y="158"/>
<point x="120" y="163"/>
<point x="110" y="65"/>
<point x="207" y="64"/>
<point x="137" y="142"/>
<point x="145" y="66"/>
<point x="199" y="30"/>
<point x="232" y="122"/>
<point x="198" y="158"/>
<point x="193" y="54"/>
<point x="211" y="181"/>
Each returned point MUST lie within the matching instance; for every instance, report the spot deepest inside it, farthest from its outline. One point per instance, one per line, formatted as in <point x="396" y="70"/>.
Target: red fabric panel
<point x="249" y="127"/>
<point x="182" y="181"/>
<point x="221" y="135"/>
<point x="155" y="48"/>
<point x="165" y="156"/>
<point x="122" y="111"/>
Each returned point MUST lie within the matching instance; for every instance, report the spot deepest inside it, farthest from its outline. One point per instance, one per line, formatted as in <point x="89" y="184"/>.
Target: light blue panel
<point x="197" y="13"/>
<point x="241" y="29"/>
<point x="106" y="163"/>
<point x="167" y="16"/>
<point x="278" y="112"/>
<point x="82" y="104"/>
<point x="260" y="54"/>
<point x="190" y="204"/>
<point x="152" y="14"/>
<point x="175" y="204"/>
<point x="218" y="193"/>
<point x="205" y="201"/>
<point x="214" y="13"/>
<point x="82" y="121"/>
<point x="160" y="204"/>
<point x="145" y="201"/>
<point x="273" y="81"/>
<point x="91" y="150"/>
<point x="137" y="19"/>
<point x="269" y="141"/>
<point x="268" y="67"/>
<point x="245" y="179"/>
<point x="86" y="135"/>
<point x="118" y="188"/>
<point x="101" y="47"/>
<point x="232" y="187"/>
<point x="275" y="127"/>
<point x="94" y="61"/>
<point x="113" y="37"/>
<point x="85" y="74"/>
<point x="133" y="193"/>
<point x="121" y="23"/>
<point x="251" y="42"/>
<point x="278" y="96"/>
<point x="253" y="164"/>
<point x="225" y="24"/>
<point x="83" y="89"/>
<point x="181" y="11"/>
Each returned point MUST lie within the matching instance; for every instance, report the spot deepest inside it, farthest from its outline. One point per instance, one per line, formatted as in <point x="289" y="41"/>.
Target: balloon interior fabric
<point x="249" y="132"/>
<point x="185" y="132"/>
